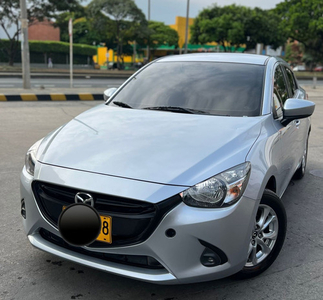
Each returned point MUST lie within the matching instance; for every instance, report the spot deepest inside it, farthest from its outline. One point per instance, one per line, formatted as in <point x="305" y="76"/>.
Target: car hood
<point x="154" y="146"/>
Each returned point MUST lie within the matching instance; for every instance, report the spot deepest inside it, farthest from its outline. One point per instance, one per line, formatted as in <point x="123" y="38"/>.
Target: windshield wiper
<point x="121" y="104"/>
<point x="176" y="109"/>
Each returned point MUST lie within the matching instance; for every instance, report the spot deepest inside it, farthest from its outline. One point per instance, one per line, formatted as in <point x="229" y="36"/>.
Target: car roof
<point x="219" y="57"/>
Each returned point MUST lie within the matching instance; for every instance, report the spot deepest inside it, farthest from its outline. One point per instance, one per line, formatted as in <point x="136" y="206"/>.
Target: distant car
<point x="299" y="68"/>
<point x="187" y="162"/>
<point x="318" y="69"/>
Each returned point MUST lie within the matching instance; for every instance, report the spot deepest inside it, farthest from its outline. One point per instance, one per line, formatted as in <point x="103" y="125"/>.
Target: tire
<point x="300" y="172"/>
<point x="271" y="221"/>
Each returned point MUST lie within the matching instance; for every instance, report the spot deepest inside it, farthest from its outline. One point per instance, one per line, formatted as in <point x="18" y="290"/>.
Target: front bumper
<point x="228" y="229"/>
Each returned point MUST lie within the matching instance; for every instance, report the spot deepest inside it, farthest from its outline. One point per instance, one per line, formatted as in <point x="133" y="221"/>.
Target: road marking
<point x="82" y="85"/>
<point x="58" y="97"/>
<point x="86" y="97"/>
<point x="28" y="97"/>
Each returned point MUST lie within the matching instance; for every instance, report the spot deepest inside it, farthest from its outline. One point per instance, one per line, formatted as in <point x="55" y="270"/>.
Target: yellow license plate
<point x="106" y="229"/>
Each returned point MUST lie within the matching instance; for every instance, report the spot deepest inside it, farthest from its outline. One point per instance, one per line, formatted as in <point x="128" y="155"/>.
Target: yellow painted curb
<point x="86" y="97"/>
<point x="28" y="97"/>
<point x="58" y="97"/>
<point x="3" y="97"/>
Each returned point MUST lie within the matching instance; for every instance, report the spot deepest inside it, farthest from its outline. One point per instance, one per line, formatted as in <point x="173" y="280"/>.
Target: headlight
<point x="30" y="159"/>
<point x="221" y="190"/>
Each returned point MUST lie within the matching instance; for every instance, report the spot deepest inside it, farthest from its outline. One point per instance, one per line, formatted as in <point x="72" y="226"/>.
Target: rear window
<point x="224" y="89"/>
<point x="291" y="80"/>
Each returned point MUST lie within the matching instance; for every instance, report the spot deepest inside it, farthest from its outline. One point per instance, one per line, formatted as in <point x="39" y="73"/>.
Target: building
<point x="43" y="31"/>
<point x="180" y="27"/>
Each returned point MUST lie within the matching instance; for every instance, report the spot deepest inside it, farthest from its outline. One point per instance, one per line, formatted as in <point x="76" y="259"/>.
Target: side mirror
<point x="297" y="109"/>
<point x="108" y="93"/>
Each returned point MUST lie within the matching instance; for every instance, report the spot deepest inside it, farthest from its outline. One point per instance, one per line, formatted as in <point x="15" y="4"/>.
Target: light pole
<point x="186" y="30"/>
<point x="148" y="48"/>
<point x="70" y="32"/>
<point x="148" y="10"/>
<point x="25" y="46"/>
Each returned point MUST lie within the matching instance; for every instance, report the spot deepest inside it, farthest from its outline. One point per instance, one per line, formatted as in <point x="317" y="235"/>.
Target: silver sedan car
<point x="185" y="163"/>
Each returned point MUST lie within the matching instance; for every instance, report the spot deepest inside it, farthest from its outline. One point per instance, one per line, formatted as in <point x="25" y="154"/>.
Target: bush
<point x="56" y="50"/>
<point x="61" y="47"/>
<point x="4" y="45"/>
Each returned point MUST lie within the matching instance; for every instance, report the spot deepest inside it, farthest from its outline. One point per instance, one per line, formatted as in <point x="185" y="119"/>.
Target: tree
<point x="9" y="18"/>
<point x="224" y="25"/>
<point x="161" y="34"/>
<point x="84" y="33"/>
<point x="126" y="17"/>
<point x="294" y="53"/>
<point x="233" y="26"/>
<point x="303" y="22"/>
<point x="88" y="28"/>
<point x="37" y="10"/>
<point x="62" y="19"/>
<point x="263" y="26"/>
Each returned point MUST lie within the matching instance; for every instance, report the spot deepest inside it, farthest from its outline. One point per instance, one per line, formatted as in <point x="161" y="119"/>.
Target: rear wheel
<point x="267" y="237"/>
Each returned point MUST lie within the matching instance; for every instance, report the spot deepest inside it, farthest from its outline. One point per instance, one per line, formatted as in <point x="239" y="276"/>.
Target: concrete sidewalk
<point x="51" y="94"/>
<point x="317" y="92"/>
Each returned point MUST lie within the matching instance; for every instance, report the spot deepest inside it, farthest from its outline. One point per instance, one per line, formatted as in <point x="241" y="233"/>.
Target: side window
<point x="291" y="81"/>
<point x="279" y="85"/>
<point x="277" y="106"/>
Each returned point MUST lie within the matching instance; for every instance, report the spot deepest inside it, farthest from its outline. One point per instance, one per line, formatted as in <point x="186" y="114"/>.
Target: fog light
<point x="209" y="258"/>
<point x="23" y="208"/>
<point x="212" y="256"/>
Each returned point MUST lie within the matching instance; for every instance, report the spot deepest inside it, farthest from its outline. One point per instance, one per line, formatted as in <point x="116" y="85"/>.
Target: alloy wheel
<point x="264" y="236"/>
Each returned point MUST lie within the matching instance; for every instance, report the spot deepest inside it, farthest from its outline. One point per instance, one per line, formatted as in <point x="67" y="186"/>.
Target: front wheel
<point x="267" y="237"/>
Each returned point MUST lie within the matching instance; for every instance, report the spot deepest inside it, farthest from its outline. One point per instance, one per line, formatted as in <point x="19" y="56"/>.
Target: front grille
<point x="133" y="221"/>
<point x="133" y="260"/>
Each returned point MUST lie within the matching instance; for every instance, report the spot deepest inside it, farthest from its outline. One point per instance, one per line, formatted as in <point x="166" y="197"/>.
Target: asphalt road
<point x="13" y="82"/>
<point x="29" y="274"/>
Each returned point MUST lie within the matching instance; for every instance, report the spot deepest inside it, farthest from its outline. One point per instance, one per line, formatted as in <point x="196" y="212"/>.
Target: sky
<point x="166" y="10"/>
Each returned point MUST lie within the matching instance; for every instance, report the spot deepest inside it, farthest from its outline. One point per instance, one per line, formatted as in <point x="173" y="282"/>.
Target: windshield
<point x="226" y="89"/>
